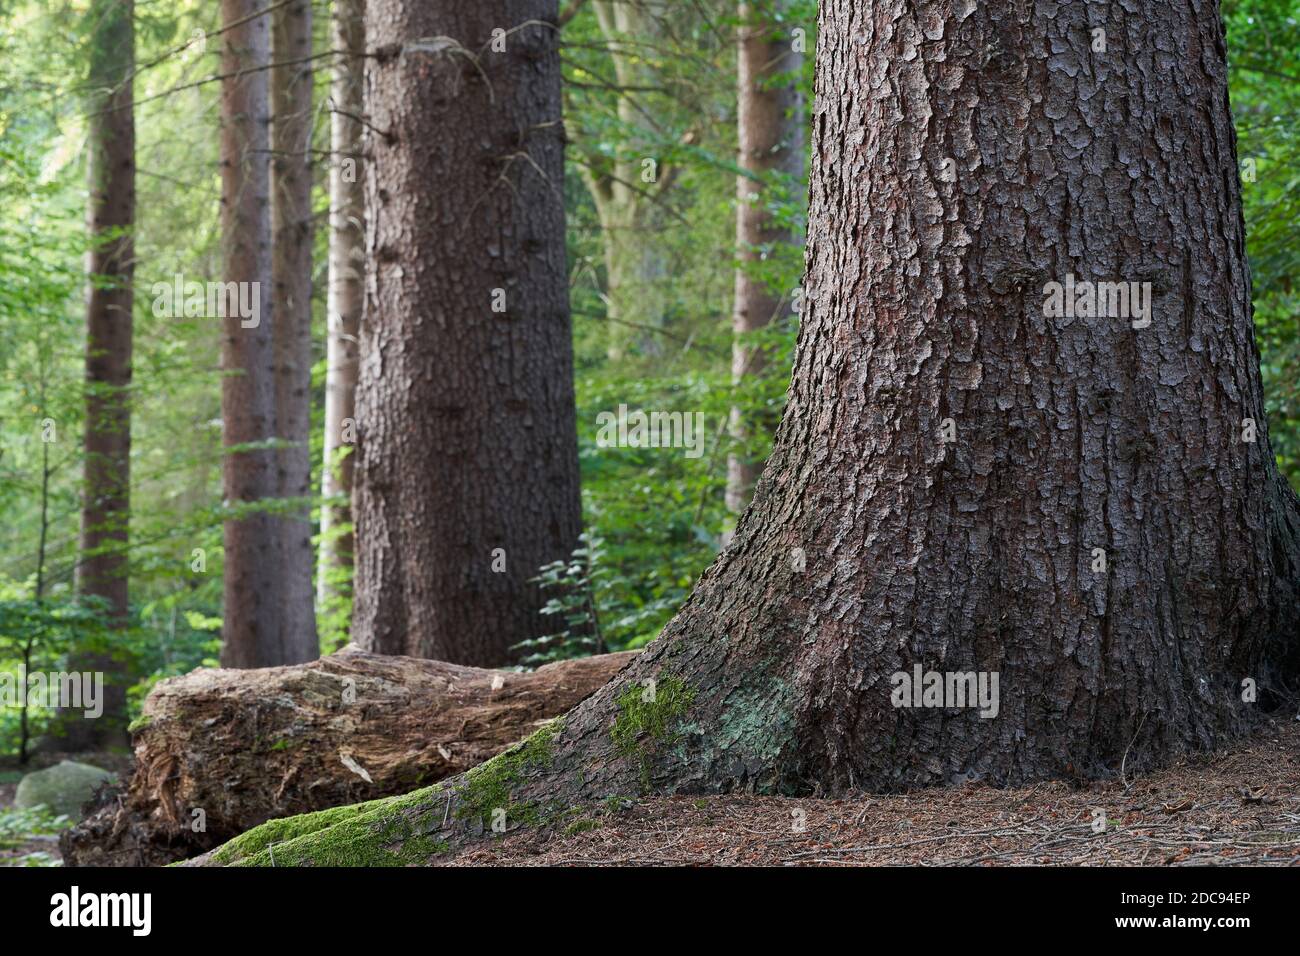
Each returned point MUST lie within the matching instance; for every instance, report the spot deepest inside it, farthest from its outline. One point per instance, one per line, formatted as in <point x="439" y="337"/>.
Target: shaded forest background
<point x="662" y="339"/>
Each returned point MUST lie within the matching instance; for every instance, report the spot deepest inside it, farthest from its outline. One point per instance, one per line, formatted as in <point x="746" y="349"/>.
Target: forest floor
<point x="1241" y="806"/>
<point x="31" y="839"/>
<point x="19" y="846"/>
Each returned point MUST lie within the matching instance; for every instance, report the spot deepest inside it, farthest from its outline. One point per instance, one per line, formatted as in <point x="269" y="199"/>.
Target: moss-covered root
<point x="535" y="783"/>
<point x="388" y="832"/>
<point x="408" y="830"/>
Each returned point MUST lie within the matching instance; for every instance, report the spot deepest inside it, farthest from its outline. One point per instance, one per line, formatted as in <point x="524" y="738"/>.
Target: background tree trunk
<point x="634" y="301"/>
<point x="624" y="200"/>
<point x="770" y="142"/>
<point x="102" y="570"/>
<point x="467" y="471"/>
<point x="873" y="545"/>
<point x="345" y="300"/>
<point x="291" y="266"/>
<point x="253" y="592"/>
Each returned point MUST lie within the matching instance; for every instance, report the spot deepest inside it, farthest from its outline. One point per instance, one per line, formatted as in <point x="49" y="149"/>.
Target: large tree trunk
<point x="770" y="143"/>
<point x="874" y="545"/>
<point x="467" y="471"/>
<point x="253" y="593"/>
<point x="102" y="570"/>
<point x="347" y="255"/>
<point x="291" y="268"/>
<point x="244" y="746"/>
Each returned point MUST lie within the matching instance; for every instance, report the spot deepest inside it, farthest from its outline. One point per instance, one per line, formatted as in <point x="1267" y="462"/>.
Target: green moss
<point x="580" y="826"/>
<point x="285" y="829"/>
<point x="615" y="804"/>
<point x="281" y="745"/>
<point x="655" y="718"/>
<point x="489" y="786"/>
<point x="399" y="831"/>
<point x="644" y="726"/>
<point x="140" y="723"/>
<point x="376" y="833"/>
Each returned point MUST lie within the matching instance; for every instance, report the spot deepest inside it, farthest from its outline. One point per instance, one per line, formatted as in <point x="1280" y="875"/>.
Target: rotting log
<point x="218" y="752"/>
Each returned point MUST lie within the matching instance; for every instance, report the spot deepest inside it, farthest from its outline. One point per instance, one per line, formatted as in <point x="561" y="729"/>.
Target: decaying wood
<point x="219" y="751"/>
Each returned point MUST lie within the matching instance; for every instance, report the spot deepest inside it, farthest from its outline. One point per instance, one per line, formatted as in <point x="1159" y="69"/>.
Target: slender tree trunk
<point x="875" y="545"/>
<point x="291" y="266"/>
<point x="770" y="143"/>
<point x="24" y="714"/>
<point x="24" y="707"/>
<point x="346" y="298"/>
<point x="110" y="268"/>
<point x="467" y="470"/>
<point x="634" y="268"/>
<point x="254" y="595"/>
<point x="624" y="191"/>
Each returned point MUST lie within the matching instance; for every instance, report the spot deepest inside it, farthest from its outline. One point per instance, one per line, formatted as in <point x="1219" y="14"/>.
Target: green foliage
<point x="58" y="632"/>
<point x="659" y="515"/>
<point x="1264" y="76"/>
<point x="39" y="636"/>
<point x="334" y="617"/>
<point x="572" y="599"/>
<point x="19" y="826"/>
<point x="176" y="439"/>
<point x="581" y="826"/>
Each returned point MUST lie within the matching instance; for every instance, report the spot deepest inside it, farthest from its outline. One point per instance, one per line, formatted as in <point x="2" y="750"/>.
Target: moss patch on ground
<point x="581" y="826"/>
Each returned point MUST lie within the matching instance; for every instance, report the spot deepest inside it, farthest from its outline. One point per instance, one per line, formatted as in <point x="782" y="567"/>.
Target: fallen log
<point x="218" y="752"/>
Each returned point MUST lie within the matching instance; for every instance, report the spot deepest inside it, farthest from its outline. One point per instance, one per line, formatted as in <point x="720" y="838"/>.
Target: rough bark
<point x="249" y="746"/>
<point x="291" y="270"/>
<point x="872" y="545"/>
<point x="102" y="570"/>
<point x="770" y="143"/>
<point x="467" y="466"/>
<point x="251" y="629"/>
<point x="347" y="254"/>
